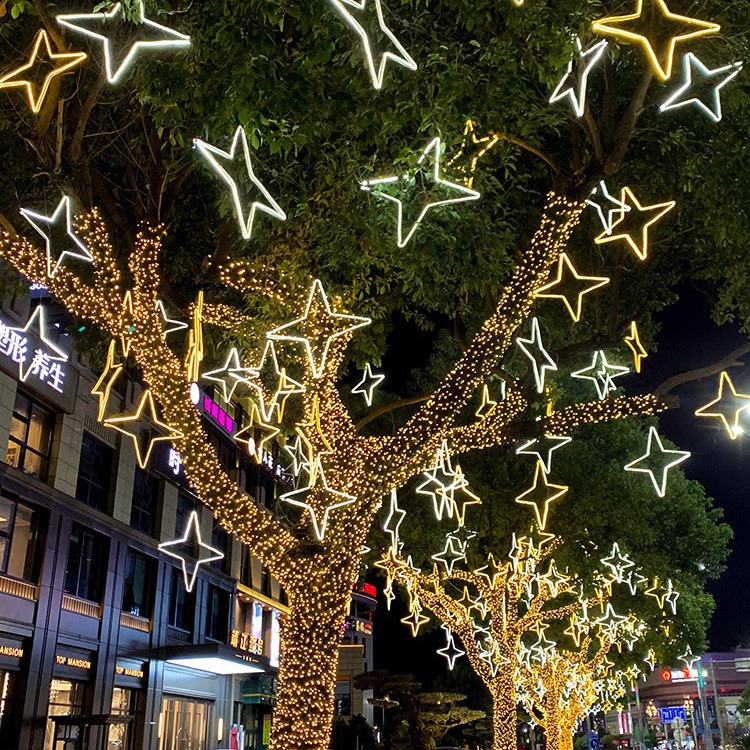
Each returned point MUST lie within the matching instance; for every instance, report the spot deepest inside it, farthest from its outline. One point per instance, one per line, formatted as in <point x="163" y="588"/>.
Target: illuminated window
<point x="94" y="473"/>
<point x="87" y="564"/>
<point x="18" y="540"/>
<point x="30" y="443"/>
<point x="65" y="697"/>
<point x="343" y="697"/>
<point x="137" y="595"/>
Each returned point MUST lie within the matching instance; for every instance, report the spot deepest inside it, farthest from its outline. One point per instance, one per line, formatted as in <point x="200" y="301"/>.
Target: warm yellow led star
<point x="727" y="407"/>
<point x="540" y="495"/>
<point x="27" y="75"/>
<point x="311" y="433"/>
<point x="108" y="378"/>
<point x="472" y="150"/>
<point x="318" y="328"/>
<point x="487" y="405"/>
<point x="633" y="341"/>
<point x="568" y="277"/>
<point x="658" y="592"/>
<point x="415" y="619"/>
<point x="632" y="226"/>
<point x="657" y="30"/>
<point x="256" y="435"/>
<point x="131" y="425"/>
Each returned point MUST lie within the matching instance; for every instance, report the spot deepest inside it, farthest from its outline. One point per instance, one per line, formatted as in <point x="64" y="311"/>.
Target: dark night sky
<point x="689" y="339"/>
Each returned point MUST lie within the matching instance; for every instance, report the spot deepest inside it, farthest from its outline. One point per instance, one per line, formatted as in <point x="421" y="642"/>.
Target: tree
<point x="126" y="153"/>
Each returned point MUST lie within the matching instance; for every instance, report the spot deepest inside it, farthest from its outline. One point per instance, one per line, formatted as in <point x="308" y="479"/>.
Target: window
<point x="94" y="473"/>
<point x="125" y="702"/>
<point x="217" y="613"/>
<point x="343" y="698"/>
<point x="87" y="564"/>
<point x="145" y="502"/>
<point x="18" y="535"/>
<point x="30" y="441"/>
<point x="246" y="567"/>
<point x="181" y="603"/>
<point x="65" y="697"/>
<point x="137" y="596"/>
<point x="185" y="506"/>
<point x="258" y="483"/>
<point x="220" y="541"/>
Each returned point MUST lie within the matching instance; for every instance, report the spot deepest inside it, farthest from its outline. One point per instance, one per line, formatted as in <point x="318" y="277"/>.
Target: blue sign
<point x="594" y="744"/>
<point x="670" y="713"/>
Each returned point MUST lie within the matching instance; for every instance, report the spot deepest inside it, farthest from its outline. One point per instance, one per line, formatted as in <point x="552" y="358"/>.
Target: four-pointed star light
<point x="657" y="461"/>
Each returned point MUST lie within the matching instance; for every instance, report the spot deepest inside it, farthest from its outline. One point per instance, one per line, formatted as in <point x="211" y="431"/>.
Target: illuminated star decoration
<point x="441" y="480"/>
<point x="224" y="161"/>
<point x="565" y="266"/>
<point x="543" y="448"/>
<point x="62" y="62"/>
<point x="598" y="198"/>
<point x="573" y="84"/>
<point x="663" y="458"/>
<point x="246" y="435"/>
<point x="727" y="406"/>
<point x="130" y="426"/>
<point x="622" y="230"/>
<point x="318" y="479"/>
<point x="52" y="228"/>
<point x="689" y="659"/>
<point x="657" y="30"/>
<point x="540" y="496"/>
<point x="535" y="351"/>
<point x="391" y="527"/>
<point x="103" y="386"/>
<point x="450" y="554"/>
<point x="37" y="325"/>
<point x="488" y="403"/>
<point x="353" y="12"/>
<point x="462" y="193"/>
<point x="618" y="563"/>
<point x="228" y="376"/>
<point x="300" y="458"/>
<point x="145" y="35"/>
<point x="690" y="92"/>
<point x="191" y="536"/>
<point x="658" y="592"/>
<point x="368" y="384"/>
<point x="170" y="325"/>
<point x="633" y="341"/>
<point x="478" y="147"/>
<point x="601" y="373"/>
<point x="306" y="329"/>
<point x="450" y="651"/>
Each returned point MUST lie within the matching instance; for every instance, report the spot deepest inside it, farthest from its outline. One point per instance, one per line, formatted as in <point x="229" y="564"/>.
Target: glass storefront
<point x="184" y="724"/>
<point x="66" y="698"/>
<point x="124" y="703"/>
<point x="6" y="696"/>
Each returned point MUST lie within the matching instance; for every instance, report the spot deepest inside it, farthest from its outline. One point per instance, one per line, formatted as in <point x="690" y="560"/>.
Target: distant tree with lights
<point x="149" y="232"/>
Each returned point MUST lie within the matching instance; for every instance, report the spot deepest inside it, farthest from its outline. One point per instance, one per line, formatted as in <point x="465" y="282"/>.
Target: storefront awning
<point x="215" y="658"/>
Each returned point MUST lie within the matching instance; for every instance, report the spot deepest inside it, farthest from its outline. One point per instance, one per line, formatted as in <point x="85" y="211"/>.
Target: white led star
<point x="689" y="92"/>
<point x="221" y="162"/>
<point x="230" y="375"/>
<point x="543" y="448"/>
<point x="573" y="84"/>
<point x="393" y="521"/>
<point x="352" y="12"/>
<point x="618" y="563"/>
<point x="604" y="197"/>
<point x="368" y="384"/>
<point x="601" y="373"/>
<point x="50" y="228"/>
<point x="115" y="65"/>
<point x="36" y="325"/>
<point x="192" y="532"/>
<point x="535" y="351"/>
<point x="306" y="329"/>
<point x="463" y="193"/>
<point x="450" y="651"/>
<point x="656" y="452"/>
<point x="440" y="482"/>
<point x="318" y="478"/>
<point x="450" y="555"/>
<point x="170" y="325"/>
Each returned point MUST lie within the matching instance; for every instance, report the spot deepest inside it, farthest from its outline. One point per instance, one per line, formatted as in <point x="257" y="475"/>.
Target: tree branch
<point x="526" y="146"/>
<point x="388" y="408"/>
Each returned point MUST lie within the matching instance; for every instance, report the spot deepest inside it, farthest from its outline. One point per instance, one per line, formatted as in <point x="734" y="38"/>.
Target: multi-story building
<point x="96" y="622"/>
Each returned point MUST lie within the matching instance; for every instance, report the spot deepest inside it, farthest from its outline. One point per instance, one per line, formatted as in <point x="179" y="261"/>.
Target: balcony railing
<point x="135" y="622"/>
<point x="81" y="606"/>
<point x="17" y="588"/>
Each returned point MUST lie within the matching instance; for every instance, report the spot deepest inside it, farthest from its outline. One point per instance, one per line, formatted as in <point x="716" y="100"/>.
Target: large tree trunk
<point x="504" y="719"/>
<point x="310" y="636"/>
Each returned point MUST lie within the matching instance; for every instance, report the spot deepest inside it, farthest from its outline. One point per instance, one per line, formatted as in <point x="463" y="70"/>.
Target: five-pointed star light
<point x="727" y="407"/>
<point x="368" y="384"/>
<point x="543" y="448"/>
<point x="541" y="495"/>
<point x="355" y="13"/>
<point x="318" y="328"/>
<point x="230" y="375"/>
<point x="657" y="30"/>
<point x="37" y="326"/>
<point x="473" y="148"/>
<point x="606" y="205"/>
<point x="103" y="386"/>
<point x="234" y="167"/>
<point x="461" y="193"/>
<point x="633" y="226"/>
<point x="27" y="76"/>
<point x="702" y="87"/>
<point x="393" y="520"/>
<point x="535" y="351"/>
<point x="601" y="373"/>
<point x="59" y="238"/>
<point x="170" y="325"/>
<point x="657" y="460"/>
<point x="574" y="83"/>
<point x="450" y="651"/>
<point x="131" y="425"/>
<point x="574" y="282"/>
<point x="191" y="537"/>
<point x="633" y="342"/>
<point x="319" y="483"/>
<point x="142" y="35"/>
<point x="247" y="435"/>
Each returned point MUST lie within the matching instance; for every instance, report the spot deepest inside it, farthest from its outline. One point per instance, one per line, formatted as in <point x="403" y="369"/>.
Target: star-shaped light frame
<point x="531" y="448"/>
<point x="602" y="374"/>
<point x="733" y="430"/>
<point x="660" y="485"/>
<point x="618" y="206"/>
<point x="37" y="324"/>
<point x="450" y="651"/>
<point x="633" y="342"/>
<point x="370" y="381"/>
<point x="526" y="497"/>
<point x="103" y="386"/>
<point x="576" y="89"/>
<point x="214" y="156"/>
<point x="391" y="527"/>
<point x="544" y="361"/>
<point x="485" y="143"/>
<point x="170" y="325"/>
<point x="465" y="193"/>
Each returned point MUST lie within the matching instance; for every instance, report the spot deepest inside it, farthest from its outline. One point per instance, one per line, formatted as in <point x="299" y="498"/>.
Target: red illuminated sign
<point x="666" y="675"/>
